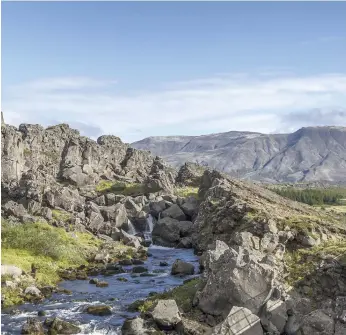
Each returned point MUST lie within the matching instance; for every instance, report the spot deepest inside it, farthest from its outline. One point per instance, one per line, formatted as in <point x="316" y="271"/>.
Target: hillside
<point x="309" y="154"/>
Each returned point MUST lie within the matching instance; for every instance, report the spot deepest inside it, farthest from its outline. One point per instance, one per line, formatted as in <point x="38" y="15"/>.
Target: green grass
<point x="116" y="187"/>
<point x="183" y="295"/>
<point x="303" y="262"/>
<point x="61" y="215"/>
<point x="187" y="191"/>
<point x="47" y="247"/>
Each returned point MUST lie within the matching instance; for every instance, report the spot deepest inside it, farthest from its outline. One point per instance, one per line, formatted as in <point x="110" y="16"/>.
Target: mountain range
<point x="307" y="155"/>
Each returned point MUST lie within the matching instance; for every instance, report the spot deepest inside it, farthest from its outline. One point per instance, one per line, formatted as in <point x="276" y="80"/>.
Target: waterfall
<point x="131" y="228"/>
<point x="150" y="224"/>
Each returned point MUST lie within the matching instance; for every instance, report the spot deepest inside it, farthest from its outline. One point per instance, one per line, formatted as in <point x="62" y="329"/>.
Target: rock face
<point x="312" y="153"/>
<point x="54" y="172"/>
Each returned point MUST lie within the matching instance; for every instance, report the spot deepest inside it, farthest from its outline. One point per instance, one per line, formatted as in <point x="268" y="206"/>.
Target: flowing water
<point x="70" y="307"/>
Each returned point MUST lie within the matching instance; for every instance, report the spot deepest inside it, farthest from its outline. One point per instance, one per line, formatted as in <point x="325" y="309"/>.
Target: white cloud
<point x="221" y="103"/>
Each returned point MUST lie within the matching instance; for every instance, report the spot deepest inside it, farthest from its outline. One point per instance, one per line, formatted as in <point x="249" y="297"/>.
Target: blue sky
<point x="168" y="68"/>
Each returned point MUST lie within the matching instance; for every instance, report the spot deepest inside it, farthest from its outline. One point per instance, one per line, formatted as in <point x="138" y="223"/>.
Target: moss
<point x="303" y="262"/>
<point x="105" y="186"/>
<point x="183" y="295"/>
<point x="27" y="152"/>
<point x="186" y="191"/>
<point x="61" y="215"/>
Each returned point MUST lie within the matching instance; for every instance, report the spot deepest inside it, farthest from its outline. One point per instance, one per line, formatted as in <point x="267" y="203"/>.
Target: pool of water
<point x="70" y="307"/>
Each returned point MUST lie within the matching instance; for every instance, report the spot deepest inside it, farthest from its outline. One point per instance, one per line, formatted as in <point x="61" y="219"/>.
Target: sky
<point x="137" y="69"/>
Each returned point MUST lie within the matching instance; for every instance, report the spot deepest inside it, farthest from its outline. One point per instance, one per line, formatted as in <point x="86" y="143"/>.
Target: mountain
<point x="309" y="154"/>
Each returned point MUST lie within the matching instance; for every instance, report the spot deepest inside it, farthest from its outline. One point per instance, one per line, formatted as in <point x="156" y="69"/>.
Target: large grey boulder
<point x="115" y="214"/>
<point x="180" y="267"/>
<point x="240" y="321"/>
<point x="174" y="212"/>
<point x="156" y="207"/>
<point x="190" y="207"/>
<point x="65" y="198"/>
<point x="166" y="231"/>
<point x="32" y="327"/>
<point x="166" y="314"/>
<point x="318" y="323"/>
<point x="235" y="279"/>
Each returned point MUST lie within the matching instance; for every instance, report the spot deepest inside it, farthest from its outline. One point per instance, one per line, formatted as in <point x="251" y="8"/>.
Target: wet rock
<point x="137" y="262"/>
<point x="33" y="291"/>
<point x="102" y="284"/>
<point x="180" y="267"/>
<point x="240" y="320"/>
<point x="166" y="314"/>
<point x="62" y="327"/>
<point x="126" y="262"/>
<point x="134" y="327"/>
<point x="122" y="279"/>
<point x="156" y="207"/>
<point x="163" y="263"/>
<point x="166" y="231"/>
<point x="139" y="269"/>
<point x="41" y="313"/>
<point x="32" y="327"/>
<point x="99" y="310"/>
<point x="93" y="281"/>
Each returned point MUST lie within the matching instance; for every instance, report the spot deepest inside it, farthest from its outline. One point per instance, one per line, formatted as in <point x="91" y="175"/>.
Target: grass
<point x="187" y="191"/>
<point x="116" y="187"/>
<point x="61" y="215"/>
<point x="304" y="261"/>
<point x="183" y="295"/>
<point x="47" y="247"/>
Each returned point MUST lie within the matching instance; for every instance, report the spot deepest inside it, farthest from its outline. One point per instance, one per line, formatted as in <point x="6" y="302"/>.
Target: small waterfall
<point x="150" y="224"/>
<point x="131" y="228"/>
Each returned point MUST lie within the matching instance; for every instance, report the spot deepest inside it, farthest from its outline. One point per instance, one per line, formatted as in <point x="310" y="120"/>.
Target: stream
<point x="70" y="307"/>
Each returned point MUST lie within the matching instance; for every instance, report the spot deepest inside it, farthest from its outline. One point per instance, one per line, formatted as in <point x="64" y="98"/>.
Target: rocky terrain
<point x="268" y="265"/>
<point x="309" y="154"/>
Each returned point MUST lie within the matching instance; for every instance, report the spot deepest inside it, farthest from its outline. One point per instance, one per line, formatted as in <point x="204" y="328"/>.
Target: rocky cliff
<point x="309" y="154"/>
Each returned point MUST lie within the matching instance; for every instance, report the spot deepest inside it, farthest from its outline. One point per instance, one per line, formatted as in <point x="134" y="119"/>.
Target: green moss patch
<point x="116" y="187"/>
<point x="61" y="215"/>
<point x="186" y="191"/>
<point x="183" y="295"/>
<point x="304" y="261"/>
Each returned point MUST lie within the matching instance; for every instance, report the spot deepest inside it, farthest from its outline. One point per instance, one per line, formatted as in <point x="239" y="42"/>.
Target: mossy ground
<point x="47" y="247"/>
<point x="183" y="295"/>
<point x="116" y="187"/>
<point x="61" y="215"/>
<point x="187" y="191"/>
<point x="303" y="262"/>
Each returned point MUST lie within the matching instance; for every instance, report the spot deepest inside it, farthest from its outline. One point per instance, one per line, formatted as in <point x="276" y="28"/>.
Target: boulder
<point x="239" y="321"/>
<point x="318" y="323"/>
<point x="33" y="291"/>
<point x="192" y="327"/>
<point x="102" y="284"/>
<point x="166" y="314"/>
<point x="10" y="270"/>
<point x="190" y="207"/>
<point x="174" y="212"/>
<point x="99" y="310"/>
<point x="130" y="240"/>
<point x="62" y="327"/>
<point x="134" y="326"/>
<point x="156" y="207"/>
<point x="115" y="214"/>
<point x="167" y="230"/>
<point x="32" y="327"/>
<point x="180" y="267"/>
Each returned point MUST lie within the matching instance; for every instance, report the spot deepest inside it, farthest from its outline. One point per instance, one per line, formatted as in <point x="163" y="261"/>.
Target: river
<point x="122" y="294"/>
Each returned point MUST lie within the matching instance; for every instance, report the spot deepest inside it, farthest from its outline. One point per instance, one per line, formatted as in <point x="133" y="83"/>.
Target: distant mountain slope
<point x="309" y="154"/>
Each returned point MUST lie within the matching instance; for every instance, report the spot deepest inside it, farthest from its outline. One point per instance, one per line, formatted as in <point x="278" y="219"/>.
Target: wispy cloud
<point x="221" y="103"/>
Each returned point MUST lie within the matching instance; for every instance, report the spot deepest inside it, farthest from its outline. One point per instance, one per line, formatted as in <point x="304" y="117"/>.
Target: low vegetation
<point x="187" y="191"/>
<point x="47" y="247"/>
<point x="303" y="262"/>
<point x="183" y="295"/>
<point x="313" y="196"/>
<point x="117" y="187"/>
<point x="61" y="215"/>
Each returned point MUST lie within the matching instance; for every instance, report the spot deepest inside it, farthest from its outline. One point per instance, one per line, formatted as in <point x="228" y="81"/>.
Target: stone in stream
<point x="41" y="313"/>
<point x="99" y="310"/>
<point x="122" y="279"/>
<point x="126" y="262"/>
<point x="163" y="263"/>
<point x="137" y="262"/>
<point x="93" y="281"/>
<point x="58" y="326"/>
<point x="134" y="327"/>
<point x="180" y="267"/>
<point x="102" y="284"/>
<point x="32" y="327"/>
<point x="139" y="269"/>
